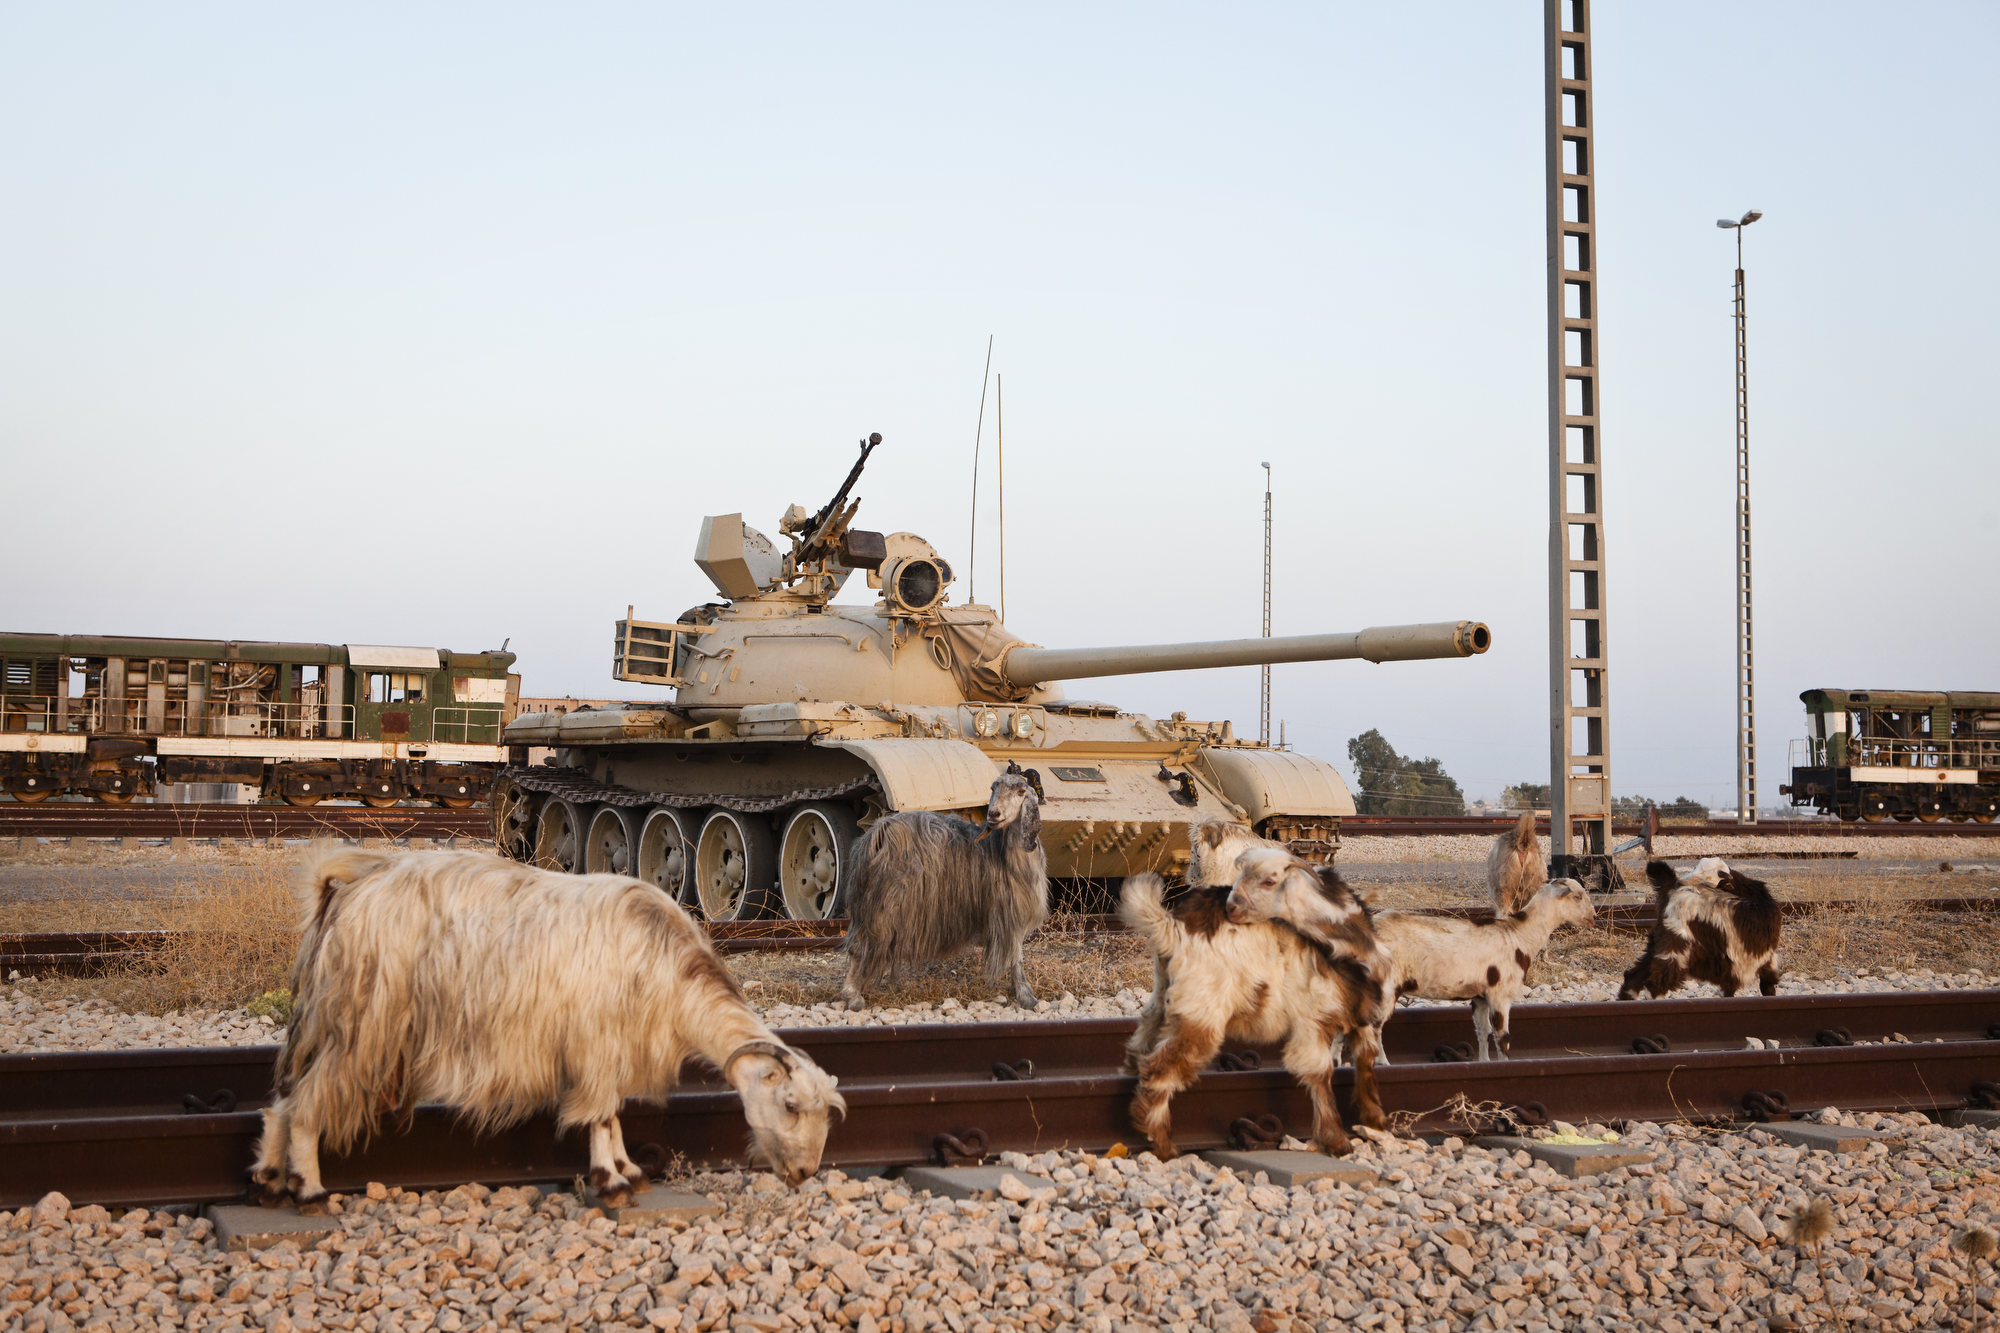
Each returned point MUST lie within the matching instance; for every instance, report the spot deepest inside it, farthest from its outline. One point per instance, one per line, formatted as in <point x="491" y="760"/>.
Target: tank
<point x="796" y="721"/>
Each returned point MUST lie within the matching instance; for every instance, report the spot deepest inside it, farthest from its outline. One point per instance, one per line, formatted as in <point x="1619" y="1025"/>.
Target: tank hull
<point x="1120" y="790"/>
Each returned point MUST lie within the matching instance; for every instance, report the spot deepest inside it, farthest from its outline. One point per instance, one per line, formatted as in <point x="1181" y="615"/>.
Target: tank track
<point x="576" y="785"/>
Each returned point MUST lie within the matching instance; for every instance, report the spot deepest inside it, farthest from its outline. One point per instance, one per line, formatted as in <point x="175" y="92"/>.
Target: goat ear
<point x="1030" y="820"/>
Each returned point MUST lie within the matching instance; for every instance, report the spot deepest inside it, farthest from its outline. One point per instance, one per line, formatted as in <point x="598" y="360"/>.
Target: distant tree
<point x="1680" y="808"/>
<point x="1526" y="796"/>
<point x="1395" y="784"/>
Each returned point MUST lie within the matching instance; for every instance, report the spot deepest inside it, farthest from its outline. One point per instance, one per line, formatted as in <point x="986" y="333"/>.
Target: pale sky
<point x="447" y="326"/>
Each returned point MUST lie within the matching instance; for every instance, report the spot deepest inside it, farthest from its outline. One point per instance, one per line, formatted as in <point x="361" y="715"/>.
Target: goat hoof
<point x="618" y="1197"/>
<point x="856" y="1004"/>
<point x="311" y="1205"/>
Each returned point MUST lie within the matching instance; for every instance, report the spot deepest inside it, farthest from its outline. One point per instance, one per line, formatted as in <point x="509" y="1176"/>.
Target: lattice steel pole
<point x="1579" y="683"/>
<point x="1746" y="661"/>
<point x="1264" y="698"/>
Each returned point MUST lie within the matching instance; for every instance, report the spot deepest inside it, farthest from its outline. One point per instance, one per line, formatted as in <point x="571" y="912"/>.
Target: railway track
<point x="166" y="820"/>
<point x="92" y="953"/>
<point x="156" y="1127"/>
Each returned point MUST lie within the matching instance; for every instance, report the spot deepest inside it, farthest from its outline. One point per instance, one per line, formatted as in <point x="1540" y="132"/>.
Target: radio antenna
<point x="972" y="541"/>
<point x="1000" y="461"/>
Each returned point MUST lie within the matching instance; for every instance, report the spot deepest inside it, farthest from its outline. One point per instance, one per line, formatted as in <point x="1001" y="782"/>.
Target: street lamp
<point x="1746" y="676"/>
<point x="1264" y="694"/>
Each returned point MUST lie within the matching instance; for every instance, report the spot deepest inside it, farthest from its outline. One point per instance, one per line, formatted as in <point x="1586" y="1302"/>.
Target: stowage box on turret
<point x="796" y="722"/>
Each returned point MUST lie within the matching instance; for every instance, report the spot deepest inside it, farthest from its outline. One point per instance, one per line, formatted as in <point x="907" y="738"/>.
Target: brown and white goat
<point x="502" y="990"/>
<point x="1715" y="924"/>
<point x="1261" y="982"/>
<point x="1447" y="958"/>
<point x="928" y="885"/>
<point x="1514" y="869"/>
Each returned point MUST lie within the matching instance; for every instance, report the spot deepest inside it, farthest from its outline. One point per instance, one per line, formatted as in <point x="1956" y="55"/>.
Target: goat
<point x="927" y="885"/>
<point x="1213" y="846"/>
<point x="503" y="990"/>
<point x="1514" y="869"/>
<point x="1260" y="982"/>
<point x="1715" y="924"/>
<point x="1446" y="958"/>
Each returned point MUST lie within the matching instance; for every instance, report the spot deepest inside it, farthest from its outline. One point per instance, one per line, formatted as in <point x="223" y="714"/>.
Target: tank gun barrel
<point x="1026" y="665"/>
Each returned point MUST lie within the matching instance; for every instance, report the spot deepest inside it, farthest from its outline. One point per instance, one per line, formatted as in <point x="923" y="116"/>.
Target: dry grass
<point x="234" y="940"/>
<point x="1056" y="961"/>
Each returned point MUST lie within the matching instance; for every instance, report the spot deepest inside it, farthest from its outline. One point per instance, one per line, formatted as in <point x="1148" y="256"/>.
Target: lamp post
<point x="1746" y="676"/>
<point x="1264" y="695"/>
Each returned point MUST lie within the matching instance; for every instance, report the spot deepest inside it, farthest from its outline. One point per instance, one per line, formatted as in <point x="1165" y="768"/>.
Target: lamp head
<point x="1724" y="223"/>
<point x="1750" y="217"/>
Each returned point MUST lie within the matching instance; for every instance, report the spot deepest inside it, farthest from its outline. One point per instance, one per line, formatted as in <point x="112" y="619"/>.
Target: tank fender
<point x="1277" y="782"/>
<point x="926" y="774"/>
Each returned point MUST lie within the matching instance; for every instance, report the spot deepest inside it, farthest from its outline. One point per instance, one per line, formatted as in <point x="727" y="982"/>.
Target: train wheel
<point x="307" y="794"/>
<point x="114" y="797"/>
<point x="374" y="802"/>
<point x="455" y="802"/>
<point x="1982" y="817"/>
<point x="559" y="836"/>
<point x="813" y="860"/>
<point x="33" y="797"/>
<point x="1931" y="816"/>
<point x="666" y="852"/>
<point x="1875" y="816"/>
<point x="735" y="863"/>
<point x="608" y="846"/>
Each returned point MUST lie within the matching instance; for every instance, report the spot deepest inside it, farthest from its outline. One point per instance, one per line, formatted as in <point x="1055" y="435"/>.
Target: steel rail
<point x="133" y="1160"/>
<point x="165" y="819"/>
<point x="168" y="820"/>
<point x="162" y="1081"/>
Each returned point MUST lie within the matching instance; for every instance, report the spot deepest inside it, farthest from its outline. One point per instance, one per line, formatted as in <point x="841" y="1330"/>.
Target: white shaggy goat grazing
<point x="1446" y="958"/>
<point x="503" y="990"/>
<point x="1514" y="868"/>
<point x="927" y="885"/>
<point x="1715" y="924"/>
<point x="1260" y="982"/>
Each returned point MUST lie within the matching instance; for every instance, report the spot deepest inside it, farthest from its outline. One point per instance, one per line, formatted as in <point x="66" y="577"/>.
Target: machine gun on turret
<point x="825" y="536"/>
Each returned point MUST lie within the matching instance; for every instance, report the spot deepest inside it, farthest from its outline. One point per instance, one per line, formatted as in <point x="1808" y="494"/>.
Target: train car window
<point x="395" y="687"/>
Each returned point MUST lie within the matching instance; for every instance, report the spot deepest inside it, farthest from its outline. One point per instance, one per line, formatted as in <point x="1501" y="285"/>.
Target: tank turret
<point x="795" y="721"/>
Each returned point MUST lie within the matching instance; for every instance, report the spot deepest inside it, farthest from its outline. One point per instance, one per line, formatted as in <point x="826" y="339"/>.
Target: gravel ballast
<point x="1453" y="1236"/>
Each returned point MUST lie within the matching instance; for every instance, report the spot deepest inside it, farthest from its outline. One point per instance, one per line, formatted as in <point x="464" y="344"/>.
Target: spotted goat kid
<point x="1258" y="982"/>
<point x="1486" y="962"/>
<point x="1715" y="924"/>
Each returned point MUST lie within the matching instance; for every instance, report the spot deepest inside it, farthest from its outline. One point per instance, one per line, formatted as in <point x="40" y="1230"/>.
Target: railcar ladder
<point x="1579" y="679"/>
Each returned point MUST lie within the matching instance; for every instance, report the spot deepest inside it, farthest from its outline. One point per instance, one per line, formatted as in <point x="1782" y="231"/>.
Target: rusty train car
<point x="112" y="717"/>
<point x="1899" y="754"/>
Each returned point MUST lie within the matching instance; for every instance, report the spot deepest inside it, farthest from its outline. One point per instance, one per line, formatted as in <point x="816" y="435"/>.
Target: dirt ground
<point x="237" y="907"/>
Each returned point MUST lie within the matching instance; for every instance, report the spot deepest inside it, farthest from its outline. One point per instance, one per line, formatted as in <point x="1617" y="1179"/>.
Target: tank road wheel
<point x="559" y="836"/>
<point x="608" y="846"/>
<point x="813" y="860"/>
<point x="666" y="851"/>
<point x="514" y="820"/>
<point x="735" y="861"/>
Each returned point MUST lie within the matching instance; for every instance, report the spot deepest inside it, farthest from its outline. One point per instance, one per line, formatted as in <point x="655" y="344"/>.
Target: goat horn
<point x="783" y="1054"/>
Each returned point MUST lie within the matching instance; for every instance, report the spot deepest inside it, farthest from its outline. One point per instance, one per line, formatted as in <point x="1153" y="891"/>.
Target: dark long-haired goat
<point x="1715" y="924"/>
<point x="927" y="885"/>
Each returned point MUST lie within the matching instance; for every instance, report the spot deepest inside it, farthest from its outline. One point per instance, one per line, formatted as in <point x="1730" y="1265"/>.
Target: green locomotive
<point x="110" y="717"/>
<point x="1899" y="754"/>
